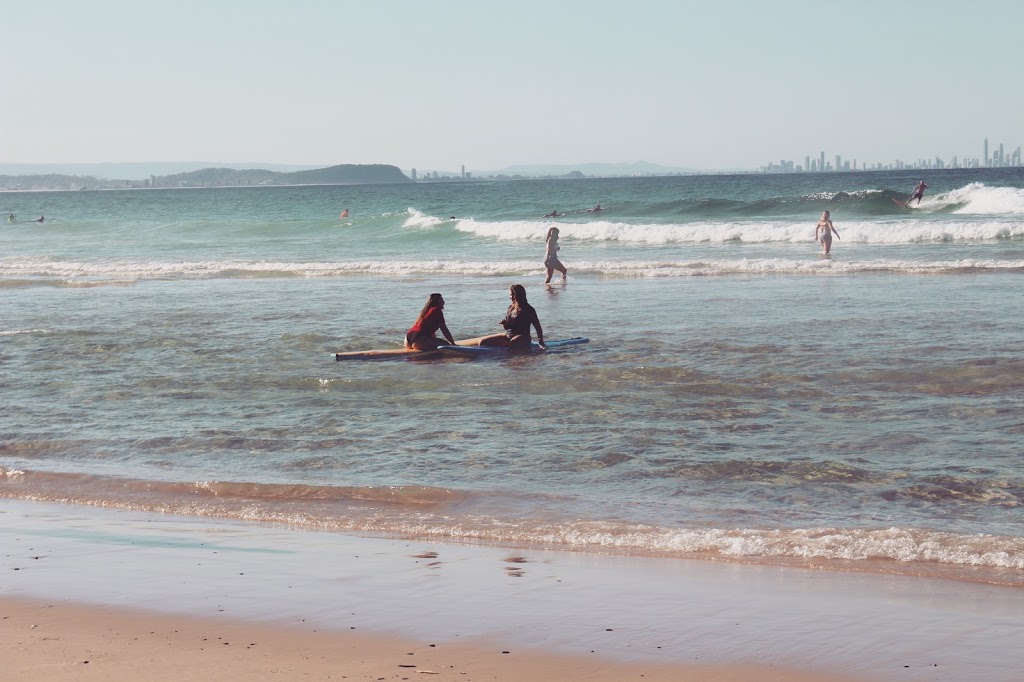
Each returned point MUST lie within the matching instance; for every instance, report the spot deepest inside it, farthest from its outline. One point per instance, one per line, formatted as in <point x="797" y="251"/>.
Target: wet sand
<point x="41" y="641"/>
<point x="170" y="597"/>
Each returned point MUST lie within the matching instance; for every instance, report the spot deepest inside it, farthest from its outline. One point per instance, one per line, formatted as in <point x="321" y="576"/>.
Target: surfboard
<point x="400" y="352"/>
<point x="900" y="203"/>
<point x="492" y="350"/>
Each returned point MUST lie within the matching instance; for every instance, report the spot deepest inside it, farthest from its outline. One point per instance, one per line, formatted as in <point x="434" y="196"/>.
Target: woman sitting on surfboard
<point x="824" y="231"/>
<point x="422" y="334"/>
<point x="517" y="322"/>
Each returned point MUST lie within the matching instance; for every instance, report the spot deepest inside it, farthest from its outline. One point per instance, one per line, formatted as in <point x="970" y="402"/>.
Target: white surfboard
<point x="492" y="350"/>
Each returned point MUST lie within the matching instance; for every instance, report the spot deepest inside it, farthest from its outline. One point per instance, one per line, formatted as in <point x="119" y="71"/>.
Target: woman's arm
<point x="447" y="334"/>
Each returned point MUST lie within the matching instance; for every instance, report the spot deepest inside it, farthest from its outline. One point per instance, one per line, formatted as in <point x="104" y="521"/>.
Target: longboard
<point x="491" y="350"/>
<point x="390" y="353"/>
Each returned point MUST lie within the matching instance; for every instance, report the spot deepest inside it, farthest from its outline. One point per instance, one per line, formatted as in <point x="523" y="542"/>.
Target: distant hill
<point x="345" y="174"/>
<point x="140" y="170"/>
<point x="51" y="181"/>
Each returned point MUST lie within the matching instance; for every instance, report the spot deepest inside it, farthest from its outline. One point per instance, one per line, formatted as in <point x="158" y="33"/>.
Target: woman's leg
<point x="551" y="271"/>
<point x="495" y="340"/>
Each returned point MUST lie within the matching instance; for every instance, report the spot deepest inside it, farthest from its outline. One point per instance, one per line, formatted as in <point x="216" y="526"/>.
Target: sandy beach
<point x="179" y="597"/>
<point x="42" y="641"/>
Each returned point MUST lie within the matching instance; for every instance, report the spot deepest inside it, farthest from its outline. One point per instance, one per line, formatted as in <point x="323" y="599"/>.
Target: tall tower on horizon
<point x="985" y="156"/>
<point x="821" y="163"/>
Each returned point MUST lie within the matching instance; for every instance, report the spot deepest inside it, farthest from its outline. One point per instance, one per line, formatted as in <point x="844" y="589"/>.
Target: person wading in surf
<point x="551" y="261"/>
<point x="824" y="231"/>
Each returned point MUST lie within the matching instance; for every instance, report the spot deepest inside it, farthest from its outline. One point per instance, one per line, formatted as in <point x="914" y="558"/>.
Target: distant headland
<point x="173" y="174"/>
<point x="344" y="174"/>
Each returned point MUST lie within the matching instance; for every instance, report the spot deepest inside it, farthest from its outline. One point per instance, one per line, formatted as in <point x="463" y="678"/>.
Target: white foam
<point x="754" y="232"/>
<point x="979" y="199"/>
<point x="904" y="545"/>
<point x="14" y="332"/>
<point x="74" y="273"/>
<point x="418" y="220"/>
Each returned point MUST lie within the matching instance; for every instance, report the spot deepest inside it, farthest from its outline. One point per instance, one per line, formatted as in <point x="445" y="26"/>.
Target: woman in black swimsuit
<point x="517" y="322"/>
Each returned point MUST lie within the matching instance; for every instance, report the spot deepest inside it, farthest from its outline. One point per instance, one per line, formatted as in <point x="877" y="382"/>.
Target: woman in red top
<point x="422" y="334"/>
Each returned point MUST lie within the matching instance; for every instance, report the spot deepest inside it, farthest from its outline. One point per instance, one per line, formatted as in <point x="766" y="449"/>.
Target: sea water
<point x="742" y="395"/>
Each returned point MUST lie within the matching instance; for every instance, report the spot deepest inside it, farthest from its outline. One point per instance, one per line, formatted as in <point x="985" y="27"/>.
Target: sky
<point x="435" y="84"/>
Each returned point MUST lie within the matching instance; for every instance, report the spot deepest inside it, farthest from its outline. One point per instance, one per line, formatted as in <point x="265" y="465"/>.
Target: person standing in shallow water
<point x="423" y="333"/>
<point x="551" y="261"/>
<point x="517" y="322"/>
<point x="824" y="231"/>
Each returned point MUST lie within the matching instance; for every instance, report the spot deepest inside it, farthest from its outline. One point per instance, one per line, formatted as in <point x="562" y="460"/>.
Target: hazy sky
<point x="434" y="84"/>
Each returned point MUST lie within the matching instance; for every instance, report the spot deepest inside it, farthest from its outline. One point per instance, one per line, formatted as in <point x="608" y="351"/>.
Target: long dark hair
<point x="433" y="301"/>
<point x="519" y="301"/>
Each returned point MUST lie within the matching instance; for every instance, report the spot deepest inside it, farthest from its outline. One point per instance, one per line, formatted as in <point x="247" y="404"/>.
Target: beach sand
<point x="41" y="641"/>
<point x="145" y="596"/>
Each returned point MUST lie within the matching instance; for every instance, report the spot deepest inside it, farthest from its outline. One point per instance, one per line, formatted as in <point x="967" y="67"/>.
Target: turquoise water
<point x="742" y="396"/>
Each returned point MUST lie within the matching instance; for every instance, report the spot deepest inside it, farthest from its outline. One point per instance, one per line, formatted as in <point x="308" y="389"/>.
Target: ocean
<point x="742" y="397"/>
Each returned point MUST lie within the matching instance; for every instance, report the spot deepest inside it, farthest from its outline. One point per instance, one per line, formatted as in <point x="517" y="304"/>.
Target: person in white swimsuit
<point x="824" y="231"/>
<point x="551" y="261"/>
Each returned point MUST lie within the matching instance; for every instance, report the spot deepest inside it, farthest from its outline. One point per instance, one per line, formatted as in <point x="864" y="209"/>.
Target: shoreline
<point x="906" y="552"/>
<point x="636" y="614"/>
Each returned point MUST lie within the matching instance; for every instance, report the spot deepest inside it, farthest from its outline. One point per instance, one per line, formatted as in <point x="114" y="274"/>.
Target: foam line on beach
<point x="618" y="608"/>
<point x="436" y="514"/>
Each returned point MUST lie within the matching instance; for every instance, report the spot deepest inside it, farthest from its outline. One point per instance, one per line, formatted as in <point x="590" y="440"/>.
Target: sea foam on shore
<point x="626" y="609"/>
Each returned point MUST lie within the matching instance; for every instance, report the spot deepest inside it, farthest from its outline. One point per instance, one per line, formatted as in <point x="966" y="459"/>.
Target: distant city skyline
<point x="997" y="159"/>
